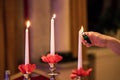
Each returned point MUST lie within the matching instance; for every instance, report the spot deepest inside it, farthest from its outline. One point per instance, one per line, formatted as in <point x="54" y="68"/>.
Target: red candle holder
<point x="78" y="73"/>
<point x="26" y="69"/>
<point x="52" y="60"/>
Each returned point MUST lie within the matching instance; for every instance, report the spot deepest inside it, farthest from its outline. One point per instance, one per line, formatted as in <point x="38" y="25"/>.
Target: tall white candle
<point x="52" y="40"/>
<point x="27" y="42"/>
<point x="80" y="48"/>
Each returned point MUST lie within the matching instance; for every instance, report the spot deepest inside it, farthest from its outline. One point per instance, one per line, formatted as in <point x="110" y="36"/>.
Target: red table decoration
<point x="51" y="59"/>
<point x="28" y="68"/>
<point x="81" y="72"/>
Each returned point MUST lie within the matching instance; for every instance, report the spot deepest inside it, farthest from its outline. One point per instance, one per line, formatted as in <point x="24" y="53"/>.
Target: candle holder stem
<point x="27" y="77"/>
<point x="53" y="72"/>
<point x="80" y="78"/>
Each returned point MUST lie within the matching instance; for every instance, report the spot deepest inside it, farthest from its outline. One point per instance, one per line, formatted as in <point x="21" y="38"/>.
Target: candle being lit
<point x="27" y="42"/>
<point x="80" y="48"/>
<point x="52" y="41"/>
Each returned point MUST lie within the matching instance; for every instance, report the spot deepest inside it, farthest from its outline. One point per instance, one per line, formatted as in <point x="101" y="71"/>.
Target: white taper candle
<point x="80" y="48"/>
<point x="52" y="41"/>
<point x="27" y="42"/>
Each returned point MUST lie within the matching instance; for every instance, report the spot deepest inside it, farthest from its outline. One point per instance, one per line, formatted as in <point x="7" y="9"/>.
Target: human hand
<point x="96" y="39"/>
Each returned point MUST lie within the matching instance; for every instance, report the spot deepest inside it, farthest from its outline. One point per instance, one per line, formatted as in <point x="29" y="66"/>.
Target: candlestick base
<point x="53" y="73"/>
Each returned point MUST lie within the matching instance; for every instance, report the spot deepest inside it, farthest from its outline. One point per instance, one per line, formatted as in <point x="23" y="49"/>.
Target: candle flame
<point x="81" y="30"/>
<point x="54" y="16"/>
<point x="28" y="23"/>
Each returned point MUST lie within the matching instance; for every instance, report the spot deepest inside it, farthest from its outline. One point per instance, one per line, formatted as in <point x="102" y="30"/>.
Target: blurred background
<point x="95" y="15"/>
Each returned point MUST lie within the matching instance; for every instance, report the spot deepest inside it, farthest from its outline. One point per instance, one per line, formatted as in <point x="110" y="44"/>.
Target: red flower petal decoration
<point x="26" y="68"/>
<point x="80" y="72"/>
<point x="51" y="58"/>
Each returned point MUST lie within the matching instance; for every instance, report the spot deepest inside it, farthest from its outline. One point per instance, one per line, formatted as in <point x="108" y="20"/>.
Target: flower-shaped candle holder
<point x="27" y="69"/>
<point x="52" y="60"/>
<point x="78" y="74"/>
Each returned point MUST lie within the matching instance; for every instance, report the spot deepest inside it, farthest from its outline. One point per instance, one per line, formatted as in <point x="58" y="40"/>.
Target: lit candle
<point x="52" y="42"/>
<point x="80" y="48"/>
<point x="27" y="42"/>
